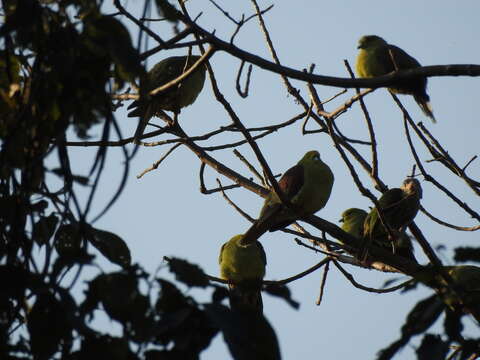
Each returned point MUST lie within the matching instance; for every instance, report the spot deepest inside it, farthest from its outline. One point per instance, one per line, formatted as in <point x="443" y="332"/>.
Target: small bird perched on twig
<point x="377" y="57"/>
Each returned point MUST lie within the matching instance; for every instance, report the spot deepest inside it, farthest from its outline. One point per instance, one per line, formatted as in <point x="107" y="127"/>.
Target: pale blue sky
<point x="164" y="213"/>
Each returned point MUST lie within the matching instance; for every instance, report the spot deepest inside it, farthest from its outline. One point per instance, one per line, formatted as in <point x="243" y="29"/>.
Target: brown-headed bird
<point x="243" y="265"/>
<point x="172" y="99"/>
<point x="399" y="206"/>
<point x="377" y="57"/>
<point x="307" y="186"/>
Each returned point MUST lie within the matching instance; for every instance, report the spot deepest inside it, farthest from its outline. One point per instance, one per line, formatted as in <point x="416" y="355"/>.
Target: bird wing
<point x="263" y="255"/>
<point x="401" y="58"/>
<point x="221" y="253"/>
<point x="292" y="181"/>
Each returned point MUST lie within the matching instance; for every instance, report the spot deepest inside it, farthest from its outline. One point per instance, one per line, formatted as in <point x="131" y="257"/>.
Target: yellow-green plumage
<point x="352" y="221"/>
<point x="376" y="58"/>
<point x="307" y="186"/>
<point x="243" y="266"/>
<point x="172" y="99"/>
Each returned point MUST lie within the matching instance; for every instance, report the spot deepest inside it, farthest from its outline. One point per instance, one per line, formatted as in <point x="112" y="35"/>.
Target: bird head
<point x="369" y="41"/>
<point x="311" y="156"/>
<point x="412" y="186"/>
<point x="352" y="213"/>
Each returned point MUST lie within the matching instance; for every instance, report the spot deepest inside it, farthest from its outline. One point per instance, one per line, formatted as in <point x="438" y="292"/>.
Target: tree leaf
<point x="248" y="335"/>
<point x="432" y="347"/>
<point x="44" y="228"/>
<point x="283" y="292"/>
<point x="467" y="253"/>
<point x="111" y="246"/>
<point x="68" y="240"/>
<point x="190" y="274"/>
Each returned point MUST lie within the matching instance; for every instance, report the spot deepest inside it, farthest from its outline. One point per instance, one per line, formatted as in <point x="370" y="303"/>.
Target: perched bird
<point x="399" y="206"/>
<point x="352" y="221"/>
<point x="306" y="185"/>
<point x="466" y="277"/>
<point x="244" y="266"/>
<point x="172" y="99"/>
<point x="376" y="57"/>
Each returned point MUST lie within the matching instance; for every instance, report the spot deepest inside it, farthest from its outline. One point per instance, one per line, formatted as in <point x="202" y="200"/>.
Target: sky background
<point x="164" y="214"/>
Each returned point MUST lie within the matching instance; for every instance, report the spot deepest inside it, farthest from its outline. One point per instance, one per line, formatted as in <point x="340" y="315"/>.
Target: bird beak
<point x="341" y="220"/>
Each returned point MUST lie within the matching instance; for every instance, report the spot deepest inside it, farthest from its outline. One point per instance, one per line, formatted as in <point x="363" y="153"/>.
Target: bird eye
<point x="316" y="157"/>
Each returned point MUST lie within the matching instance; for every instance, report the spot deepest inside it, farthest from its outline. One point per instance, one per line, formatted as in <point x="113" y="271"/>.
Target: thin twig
<point x="243" y="93"/>
<point x="323" y="283"/>
<point x="249" y="166"/>
<point x="352" y="280"/>
<point x="368" y="120"/>
<point x="441" y="222"/>
<point x="157" y="163"/>
<point x="243" y="213"/>
<point x="278" y="282"/>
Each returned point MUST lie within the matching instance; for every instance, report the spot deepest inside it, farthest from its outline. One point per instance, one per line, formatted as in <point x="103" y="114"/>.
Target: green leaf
<point x="111" y="246"/>
<point x="190" y="274"/>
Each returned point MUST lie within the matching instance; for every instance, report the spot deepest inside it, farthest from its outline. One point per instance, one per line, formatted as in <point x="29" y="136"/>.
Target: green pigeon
<point x="399" y="207"/>
<point x="377" y="57"/>
<point x="352" y="221"/>
<point x="467" y="277"/>
<point x="173" y="99"/>
<point x="306" y="185"/>
<point x="243" y="266"/>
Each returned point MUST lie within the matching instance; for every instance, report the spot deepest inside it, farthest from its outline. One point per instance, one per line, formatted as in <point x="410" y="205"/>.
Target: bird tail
<point x="255" y="231"/>
<point x="424" y="102"/>
<point x="400" y="245"/>
<point x="246" y="297"/>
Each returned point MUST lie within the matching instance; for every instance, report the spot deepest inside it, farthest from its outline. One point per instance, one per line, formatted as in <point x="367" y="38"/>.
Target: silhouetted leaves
<point x="105" y="347"/>
<point x="464" y="254"/>
<point x="110" y="245"/>
<point x="419" y="319"/>
<point x="187" y="273"/>
<point x="49" y="326"/>
<point x="68" y="241"/>
<point x="283" y="292"/>
<point x="248" y="334"/>
<point x="44" y="228"/>
<point x="453" y="325"/>
<point x="432" y="347"/>
<point x="107" y="37"/>
<point x="82" y="180"/>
